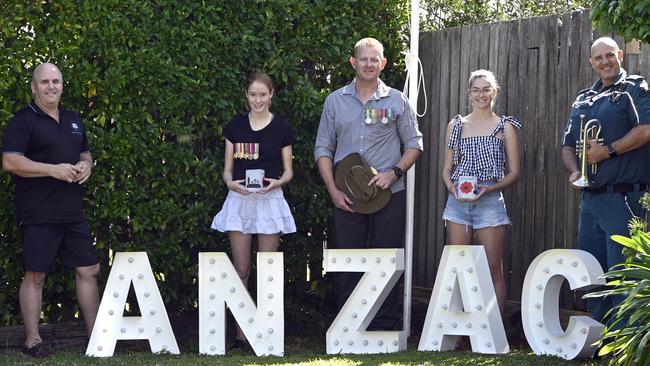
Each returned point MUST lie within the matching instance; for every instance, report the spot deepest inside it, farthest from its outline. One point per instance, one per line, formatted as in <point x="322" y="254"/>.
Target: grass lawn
<point x="298" y="351"/>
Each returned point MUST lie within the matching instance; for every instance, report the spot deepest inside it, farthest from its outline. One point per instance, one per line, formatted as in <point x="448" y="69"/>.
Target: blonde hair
<point x="369" y="42"/>
<point x="484" y="74"/>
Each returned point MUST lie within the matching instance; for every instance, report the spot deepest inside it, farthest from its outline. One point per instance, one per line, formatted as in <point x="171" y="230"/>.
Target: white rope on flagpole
<point x="412" y="63"/>
<point x="420" y="84"/>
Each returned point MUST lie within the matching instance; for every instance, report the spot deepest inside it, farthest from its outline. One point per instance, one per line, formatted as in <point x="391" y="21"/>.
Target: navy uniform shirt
<point x="619" y="108"/>
<point x="37" y="136"/>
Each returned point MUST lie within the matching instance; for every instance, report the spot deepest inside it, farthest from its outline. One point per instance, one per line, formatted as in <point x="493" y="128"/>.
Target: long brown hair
<point x="261" y="77"/>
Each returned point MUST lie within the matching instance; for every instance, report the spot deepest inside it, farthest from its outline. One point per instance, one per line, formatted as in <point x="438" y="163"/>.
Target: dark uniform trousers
<point x="601" y="216"/>
<point x="382" y="229"/>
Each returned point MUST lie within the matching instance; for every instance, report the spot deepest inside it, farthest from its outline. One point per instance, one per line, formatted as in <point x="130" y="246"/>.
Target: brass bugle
<point x="589" y="131"/>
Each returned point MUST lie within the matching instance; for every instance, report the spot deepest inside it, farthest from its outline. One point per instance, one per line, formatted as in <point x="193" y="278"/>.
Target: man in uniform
<point x="621" y="103"/>
<point x="374" y="120"/>
<point x="46" y="149"/>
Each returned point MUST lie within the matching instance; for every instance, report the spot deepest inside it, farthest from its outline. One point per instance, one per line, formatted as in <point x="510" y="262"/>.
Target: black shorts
<point x="71" y="242"/>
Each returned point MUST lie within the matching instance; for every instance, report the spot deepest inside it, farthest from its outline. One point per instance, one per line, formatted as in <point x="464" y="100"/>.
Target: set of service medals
<point x="246" y="150"/>
<point x="382" y="115"/>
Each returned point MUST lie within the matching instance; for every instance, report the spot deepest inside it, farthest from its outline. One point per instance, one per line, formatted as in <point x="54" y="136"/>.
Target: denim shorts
<point x="488" y="211"/>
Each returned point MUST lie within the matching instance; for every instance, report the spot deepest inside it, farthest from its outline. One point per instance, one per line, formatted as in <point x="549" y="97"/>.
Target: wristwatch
<point x="612" y="152"/>
<point x="398" y="172"/>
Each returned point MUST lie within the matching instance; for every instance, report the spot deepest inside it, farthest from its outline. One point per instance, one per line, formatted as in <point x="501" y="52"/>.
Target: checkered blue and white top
<point x="483" y="157"/>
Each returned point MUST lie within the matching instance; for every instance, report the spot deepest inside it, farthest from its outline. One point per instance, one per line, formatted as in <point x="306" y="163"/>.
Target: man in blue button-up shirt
<point x="374" y="120"/>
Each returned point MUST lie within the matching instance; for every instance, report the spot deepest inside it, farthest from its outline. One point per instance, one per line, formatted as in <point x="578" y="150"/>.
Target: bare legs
<point x="268" y="243"/>
<point x="492" y="240"/>
<point x="31" y="298"/>
<point x="240" y="245"/>
<point x="458" y="234"/>
<point x="87" y="294"/>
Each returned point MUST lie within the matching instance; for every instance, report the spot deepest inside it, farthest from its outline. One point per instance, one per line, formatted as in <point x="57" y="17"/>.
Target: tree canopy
<point x="629" y="18"/>
<point x="440" y="14"/>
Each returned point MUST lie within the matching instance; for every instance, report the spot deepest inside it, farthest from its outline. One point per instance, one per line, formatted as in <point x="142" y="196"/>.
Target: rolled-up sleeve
<point x="407" y="125"/>
<point x="326" y="137"/>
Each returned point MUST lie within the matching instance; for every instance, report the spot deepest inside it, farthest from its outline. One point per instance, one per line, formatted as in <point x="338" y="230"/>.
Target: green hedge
<point x="155" y="82"/>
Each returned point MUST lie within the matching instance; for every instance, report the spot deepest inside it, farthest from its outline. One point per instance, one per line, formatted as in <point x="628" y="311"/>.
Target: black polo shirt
<point x="37" y="136"/>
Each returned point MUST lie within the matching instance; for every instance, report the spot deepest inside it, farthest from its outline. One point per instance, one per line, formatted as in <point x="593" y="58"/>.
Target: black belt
<point x="618" y="188"/>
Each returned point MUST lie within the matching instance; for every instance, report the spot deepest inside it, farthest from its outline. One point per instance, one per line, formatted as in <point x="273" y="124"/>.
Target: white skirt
<point x="255" y="213"/>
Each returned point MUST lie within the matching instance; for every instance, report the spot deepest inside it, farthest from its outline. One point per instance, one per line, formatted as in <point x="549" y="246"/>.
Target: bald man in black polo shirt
<point x="46" y="149"/>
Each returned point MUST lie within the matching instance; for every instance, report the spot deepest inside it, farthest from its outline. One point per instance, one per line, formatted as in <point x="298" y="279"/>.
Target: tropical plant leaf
<point x="629" y="243"/>
<point x="630" y="342"/>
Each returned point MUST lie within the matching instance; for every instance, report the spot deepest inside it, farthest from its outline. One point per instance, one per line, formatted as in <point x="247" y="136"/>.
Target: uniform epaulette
<point x="581" y="94"/>
<point x="634" y="77"/>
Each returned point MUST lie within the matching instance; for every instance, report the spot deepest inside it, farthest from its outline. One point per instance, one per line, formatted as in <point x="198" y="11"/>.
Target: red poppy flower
<point x="466" y="187"/>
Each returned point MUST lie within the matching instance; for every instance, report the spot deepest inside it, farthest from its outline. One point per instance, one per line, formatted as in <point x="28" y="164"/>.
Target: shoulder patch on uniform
<point x="640" y="82"/>
<point x="644" y="87"/>
<point x="645" y="91"/>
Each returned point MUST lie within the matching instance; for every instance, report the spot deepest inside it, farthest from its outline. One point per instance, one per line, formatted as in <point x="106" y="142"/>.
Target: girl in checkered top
<point x="481" y="145"/>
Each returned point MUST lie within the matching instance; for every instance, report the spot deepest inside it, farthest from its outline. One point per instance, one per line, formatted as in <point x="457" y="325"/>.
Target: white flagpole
<point x="412" y="65"/>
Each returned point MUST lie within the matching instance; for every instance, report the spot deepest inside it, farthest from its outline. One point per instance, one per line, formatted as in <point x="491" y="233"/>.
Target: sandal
<point x="238" y="345"/>
<point x="38" y="350"/>
<point x="464" y="344"/>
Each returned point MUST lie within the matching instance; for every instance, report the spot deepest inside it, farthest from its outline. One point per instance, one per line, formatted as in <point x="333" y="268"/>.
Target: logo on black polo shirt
<point x="74" y="128"/>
